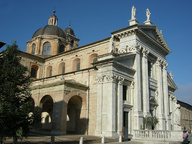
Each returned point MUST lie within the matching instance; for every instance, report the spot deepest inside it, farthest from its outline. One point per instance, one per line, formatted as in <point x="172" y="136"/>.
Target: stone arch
<point x="46" y="105"/>
<point x="92" y="59"/>
<point x="61" y="69"/>
<point x="83" y="121"/>
<point x="73" y="114"/>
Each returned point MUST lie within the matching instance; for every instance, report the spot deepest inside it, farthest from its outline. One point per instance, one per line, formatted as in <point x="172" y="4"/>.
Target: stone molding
<point x="109" y="78"/>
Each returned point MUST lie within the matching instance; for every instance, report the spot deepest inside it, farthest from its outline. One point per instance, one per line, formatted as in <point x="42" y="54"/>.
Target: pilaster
<point x="120" y="106"/>
<point x="160" y="107"/>
<point x="145" y="83"/>
<point x="100" y="80"/>
<point x="138" y="122"/>
<point x="166" y="97"/>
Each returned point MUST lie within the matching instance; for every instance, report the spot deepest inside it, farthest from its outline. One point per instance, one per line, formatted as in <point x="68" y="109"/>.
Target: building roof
<point x="50" y="30"/>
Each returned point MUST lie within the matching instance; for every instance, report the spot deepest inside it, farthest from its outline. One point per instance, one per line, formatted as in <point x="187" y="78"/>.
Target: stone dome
<point x="70" y="31"/>
<point x="50" y="30"/>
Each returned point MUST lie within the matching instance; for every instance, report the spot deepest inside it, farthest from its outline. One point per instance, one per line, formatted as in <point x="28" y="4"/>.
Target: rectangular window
<point x="149" y="68"/>
<point x="124" y="92"/>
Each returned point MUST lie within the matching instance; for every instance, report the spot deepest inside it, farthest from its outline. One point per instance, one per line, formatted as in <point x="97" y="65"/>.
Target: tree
<point x="151" y="121"/>
<point x="15" y="97"/>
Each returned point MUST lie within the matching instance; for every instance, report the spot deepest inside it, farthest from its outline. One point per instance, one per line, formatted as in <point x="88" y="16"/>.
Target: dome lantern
<point x="53" y="19"/>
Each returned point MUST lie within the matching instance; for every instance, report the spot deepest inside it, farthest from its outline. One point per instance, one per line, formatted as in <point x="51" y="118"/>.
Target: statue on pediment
<point x="148" y="14"/>
<point x="133" y="13"/>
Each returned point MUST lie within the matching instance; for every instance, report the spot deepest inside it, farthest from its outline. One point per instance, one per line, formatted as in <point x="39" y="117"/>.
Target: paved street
<point x="190" y="137"/>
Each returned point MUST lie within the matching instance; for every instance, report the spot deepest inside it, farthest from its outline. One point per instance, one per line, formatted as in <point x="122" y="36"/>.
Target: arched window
<point x="61" y="48"/>
<point x="92" y="59"/>
<point x="95" y="60"/>
<point x="62" y="68"/>
<point x="76" y="64"/>
<point x="46" y="48"/>
<point x="33" y="49"/>
<point x="34" y="69"/>
<point x="49" y="71"/>
<point x="72" y="43"/>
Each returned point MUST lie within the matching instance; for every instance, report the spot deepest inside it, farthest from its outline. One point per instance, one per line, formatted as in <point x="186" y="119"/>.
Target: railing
<point x="152" y="134"/>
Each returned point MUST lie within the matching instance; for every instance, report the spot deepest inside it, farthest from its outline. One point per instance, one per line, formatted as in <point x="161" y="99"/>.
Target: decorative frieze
<point x="110" y="78"/>
<point x="129" y="48"/>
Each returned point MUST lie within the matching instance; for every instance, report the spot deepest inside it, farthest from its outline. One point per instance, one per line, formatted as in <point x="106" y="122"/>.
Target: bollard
<point x="52" y="139"/>
<point x="81" y="140"/>
<point x="103" y="140"/>
<point x="120" y="138"/>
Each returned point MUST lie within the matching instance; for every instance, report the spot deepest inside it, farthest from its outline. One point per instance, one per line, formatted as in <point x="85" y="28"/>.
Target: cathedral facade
<point x="105" y="88"/>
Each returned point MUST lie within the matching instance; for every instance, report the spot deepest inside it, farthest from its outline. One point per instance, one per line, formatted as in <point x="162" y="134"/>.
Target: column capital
<point x="111" y="78"/>
<point x="137" y="48"/>
<point x="159" y="62"/>
<point x="165" y="65"/>
<point x="100" y="79"/>
<point x="132" y="85"/>
<point x="145" y="53"/>
<point x="120" y="80"/>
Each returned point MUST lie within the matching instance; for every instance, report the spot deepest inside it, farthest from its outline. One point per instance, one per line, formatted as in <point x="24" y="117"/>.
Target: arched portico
<point x="73" y="114"/>
<point x="46" y="105"/>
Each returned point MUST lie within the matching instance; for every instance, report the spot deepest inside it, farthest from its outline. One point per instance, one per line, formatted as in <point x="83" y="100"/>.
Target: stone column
<point x="99" y="105"/>
<point x="166" y="96"/>
<point x="120" y="106"/>
<point x="145" y="79"/>
<point x="160" y="107"/>
<point x="137" y="99"/>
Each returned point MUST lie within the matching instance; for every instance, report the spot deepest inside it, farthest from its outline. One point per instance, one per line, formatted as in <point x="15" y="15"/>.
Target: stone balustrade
<point x="152" y="134"/>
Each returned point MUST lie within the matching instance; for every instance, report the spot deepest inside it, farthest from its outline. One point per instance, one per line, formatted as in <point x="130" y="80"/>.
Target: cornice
<point x="90" y="45"/>
<point x="33" y="57"/>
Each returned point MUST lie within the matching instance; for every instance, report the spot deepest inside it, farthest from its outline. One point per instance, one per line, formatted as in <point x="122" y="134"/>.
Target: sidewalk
<point x="74" y="139"/>
<point x="69" y="139"/>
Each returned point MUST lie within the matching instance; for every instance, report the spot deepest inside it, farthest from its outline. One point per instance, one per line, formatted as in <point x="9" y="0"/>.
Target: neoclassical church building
<point x="104" y="88"/>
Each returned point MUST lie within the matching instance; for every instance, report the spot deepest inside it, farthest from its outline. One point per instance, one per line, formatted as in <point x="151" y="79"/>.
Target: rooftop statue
<point x="148" y="14"/>
<point x="133" y="12"/>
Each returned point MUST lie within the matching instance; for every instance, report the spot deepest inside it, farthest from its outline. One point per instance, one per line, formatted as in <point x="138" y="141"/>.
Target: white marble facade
<point x="133" y="78"/>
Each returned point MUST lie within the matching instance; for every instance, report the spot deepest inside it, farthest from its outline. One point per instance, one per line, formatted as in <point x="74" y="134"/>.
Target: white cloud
<point x="184" y="93"/>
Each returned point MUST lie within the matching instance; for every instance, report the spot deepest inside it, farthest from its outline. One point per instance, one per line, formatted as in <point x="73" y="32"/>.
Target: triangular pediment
<point x="153" y="32"/>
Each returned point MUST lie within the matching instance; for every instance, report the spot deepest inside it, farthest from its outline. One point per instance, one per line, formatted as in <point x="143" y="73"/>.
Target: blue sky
<point x="93" y="20"/>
